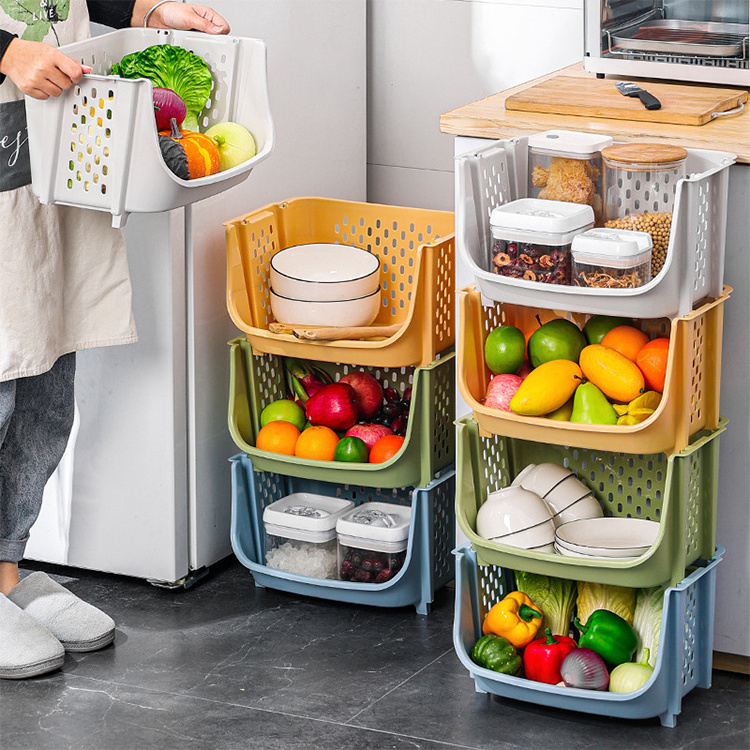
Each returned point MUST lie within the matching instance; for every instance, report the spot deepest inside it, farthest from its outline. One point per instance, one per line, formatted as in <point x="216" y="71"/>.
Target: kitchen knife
<point x="630" y="89"/>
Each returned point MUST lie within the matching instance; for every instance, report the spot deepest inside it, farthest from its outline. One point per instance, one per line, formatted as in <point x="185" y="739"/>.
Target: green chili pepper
<point x="609" y="636"/>
<point x="497" y="653"/>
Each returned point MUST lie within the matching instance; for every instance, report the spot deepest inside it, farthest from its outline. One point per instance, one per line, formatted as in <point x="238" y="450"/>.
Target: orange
<point x="385" y="448"/>
<point x="317" y="442"/>
<point x="625" y="339"/>
<point x="652" y="362"/>
<point x="278" y="437"/>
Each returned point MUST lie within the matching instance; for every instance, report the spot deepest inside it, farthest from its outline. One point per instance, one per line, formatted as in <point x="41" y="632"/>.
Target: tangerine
<point x="652" y="362"/>
<point x="385" y="448"/>
<point x="625" y="339"/>
<point x="278" y="437"/>
<point x="318" y="443"/>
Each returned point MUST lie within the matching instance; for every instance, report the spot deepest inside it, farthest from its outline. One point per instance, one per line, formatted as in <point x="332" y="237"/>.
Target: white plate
<point x="569" y="553"/>
<point x="608" y="536"/>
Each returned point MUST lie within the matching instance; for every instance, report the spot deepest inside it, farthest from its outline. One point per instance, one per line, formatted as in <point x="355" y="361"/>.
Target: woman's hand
<point x="39" y="69"/>
<point x="183" y="16"/>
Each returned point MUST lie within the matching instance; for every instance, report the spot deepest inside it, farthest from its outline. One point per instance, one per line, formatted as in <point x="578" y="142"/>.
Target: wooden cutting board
<point x="586" y="97"/>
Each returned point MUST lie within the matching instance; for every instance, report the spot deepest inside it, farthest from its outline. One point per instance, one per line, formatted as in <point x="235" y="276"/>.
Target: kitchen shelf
<point x="678" y="491"/>
<point x="694" y="266"/>
<point x="682" y="663"/>
<point x="428" y="448"/>
<point x="428" y="564"/>
<point x="690" y="402"/>
<point x="415" y="248"/>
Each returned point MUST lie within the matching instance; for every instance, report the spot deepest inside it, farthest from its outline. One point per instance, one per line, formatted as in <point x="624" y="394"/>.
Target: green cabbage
<point x="173" y="68"/>
<point x="649" y="604"/>
<point x="617" y="599"/>
<point x="556" y="598"/>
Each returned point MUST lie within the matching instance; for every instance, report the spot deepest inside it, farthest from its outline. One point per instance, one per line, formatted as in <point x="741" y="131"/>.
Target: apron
<point x="64" y="278"/>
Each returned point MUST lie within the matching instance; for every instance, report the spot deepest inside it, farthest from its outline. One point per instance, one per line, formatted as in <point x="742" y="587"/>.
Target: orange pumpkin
<point x="188" y="154"/>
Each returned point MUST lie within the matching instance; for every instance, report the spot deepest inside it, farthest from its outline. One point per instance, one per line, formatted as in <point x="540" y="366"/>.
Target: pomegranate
<point x="334" y="405"/>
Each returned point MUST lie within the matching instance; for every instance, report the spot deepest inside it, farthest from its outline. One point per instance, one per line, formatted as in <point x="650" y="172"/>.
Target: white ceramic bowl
<point x="541" y="478"/>
<point x="537" y="537"/>
<point x="349" y="312"/>
<point x="566" y="493"/>
<point x="608" y="537"/>
<point x="587" y="507"/>
<point x="324" y="271"/>
<point x="511" y="510"/>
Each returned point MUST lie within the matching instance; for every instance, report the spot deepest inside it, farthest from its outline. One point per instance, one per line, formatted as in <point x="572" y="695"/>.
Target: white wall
<point x="430" y="56"/>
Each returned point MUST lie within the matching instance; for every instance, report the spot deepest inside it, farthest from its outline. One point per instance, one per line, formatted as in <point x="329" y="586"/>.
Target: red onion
<point x="168" y="105"/>
<point x="584" y="668"/>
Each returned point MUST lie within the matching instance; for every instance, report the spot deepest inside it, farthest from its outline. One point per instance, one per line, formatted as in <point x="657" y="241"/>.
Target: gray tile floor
<point x="226" y="665"/>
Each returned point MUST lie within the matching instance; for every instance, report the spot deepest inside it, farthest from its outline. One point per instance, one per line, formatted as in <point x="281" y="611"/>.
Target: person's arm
<point x="5" y="39"/>
<point x="176" y="15"/>
<point x="116" y="14"/>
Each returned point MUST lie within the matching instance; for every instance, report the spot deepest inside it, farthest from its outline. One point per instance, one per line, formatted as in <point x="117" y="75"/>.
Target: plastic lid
<point x="305" y="516"/>
<point x="569" y="142"/>
<point x="611" y="244"/>
<point x="382" y="523"/>
<point x="542" y="216"/>
<point x="644" y="153"/>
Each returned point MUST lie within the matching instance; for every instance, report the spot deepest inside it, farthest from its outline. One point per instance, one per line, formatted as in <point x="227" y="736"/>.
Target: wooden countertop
<point x="488" y="118"/>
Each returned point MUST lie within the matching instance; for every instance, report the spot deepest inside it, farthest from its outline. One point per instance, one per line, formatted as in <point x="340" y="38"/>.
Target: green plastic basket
<point x="678" y="491"/>
<point x="429" y="445"/>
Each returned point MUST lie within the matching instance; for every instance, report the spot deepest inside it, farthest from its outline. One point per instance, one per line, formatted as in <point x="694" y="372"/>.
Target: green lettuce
<point x="554" y="596"/>
<point x="175" y="68"/>
<point x="649" y="604"/>
<point x="617" y="599"/>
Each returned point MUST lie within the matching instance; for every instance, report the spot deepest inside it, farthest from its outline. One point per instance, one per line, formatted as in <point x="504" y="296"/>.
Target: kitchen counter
<point x="488" y="118"/>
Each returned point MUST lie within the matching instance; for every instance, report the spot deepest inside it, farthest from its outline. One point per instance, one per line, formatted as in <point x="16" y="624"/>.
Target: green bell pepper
<point x="609" y="635"/>
<point x="497" y="653"/>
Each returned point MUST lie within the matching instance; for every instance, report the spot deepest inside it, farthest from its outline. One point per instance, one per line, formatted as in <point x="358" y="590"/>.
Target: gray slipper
<point x="79" y="626"/>
<point x="27" y="649"/>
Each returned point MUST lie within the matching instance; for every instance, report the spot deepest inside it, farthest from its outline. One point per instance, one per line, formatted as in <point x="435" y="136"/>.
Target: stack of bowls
<point x="610" y="538"/>
<point x="325" y="284"/>
<point x="566" y="496"/>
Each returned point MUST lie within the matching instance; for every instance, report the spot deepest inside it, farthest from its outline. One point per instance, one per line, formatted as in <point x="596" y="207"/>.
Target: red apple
<point x="369" y="392"/>
<point x="334" y="405"/>
<point x="370" y="433"/>
<point x="501" y="390"/>
<point x="526" y="368"/>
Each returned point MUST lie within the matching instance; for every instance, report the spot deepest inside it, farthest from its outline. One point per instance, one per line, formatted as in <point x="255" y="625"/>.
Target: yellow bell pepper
<point x="515" y="617"/>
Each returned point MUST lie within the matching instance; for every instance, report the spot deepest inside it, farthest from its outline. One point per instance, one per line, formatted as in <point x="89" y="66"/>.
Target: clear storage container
<point x="372" y="542"/>
<point x="531" y="238"/>
<point x="565" y="165"/>
<point x="640" y="181"/>
<point x="300" y="534"/>
<point x="611" y="258"/>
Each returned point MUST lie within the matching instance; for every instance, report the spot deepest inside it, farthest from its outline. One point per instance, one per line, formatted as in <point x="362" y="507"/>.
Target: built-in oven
<point x="687" y="40"/>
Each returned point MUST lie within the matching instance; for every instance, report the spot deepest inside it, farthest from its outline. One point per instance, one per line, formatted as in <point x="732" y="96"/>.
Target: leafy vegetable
<point x="556" y="598"/>
<point x="617" y="599"/>
<point x="649" y="604"/>
<point x="170" y="67"/>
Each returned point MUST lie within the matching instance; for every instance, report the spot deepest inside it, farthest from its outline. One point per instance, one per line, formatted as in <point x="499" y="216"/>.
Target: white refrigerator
<point x="144" y="488"/>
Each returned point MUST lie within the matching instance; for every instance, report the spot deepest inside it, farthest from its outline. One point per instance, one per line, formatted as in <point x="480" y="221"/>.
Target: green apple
<point x="236" y="143"/>
<point x="556" y="339"/>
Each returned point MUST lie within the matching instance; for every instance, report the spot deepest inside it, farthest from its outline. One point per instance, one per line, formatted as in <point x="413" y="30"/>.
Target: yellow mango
<point x="546" y="388"/>
<point x="614" y="374"/>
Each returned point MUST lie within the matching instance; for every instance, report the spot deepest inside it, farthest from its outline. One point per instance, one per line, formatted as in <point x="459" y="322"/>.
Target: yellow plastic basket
<point x="417" y="276"/>
<point x="690" y="402"/>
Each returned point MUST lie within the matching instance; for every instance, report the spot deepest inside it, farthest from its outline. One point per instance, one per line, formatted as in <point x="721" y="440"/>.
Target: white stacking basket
<point x="694" y="267"/>
<point x="96" y="145"/>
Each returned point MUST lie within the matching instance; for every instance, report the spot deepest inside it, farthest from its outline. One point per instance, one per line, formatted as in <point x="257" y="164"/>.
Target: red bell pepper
<point x="544" y="656"/>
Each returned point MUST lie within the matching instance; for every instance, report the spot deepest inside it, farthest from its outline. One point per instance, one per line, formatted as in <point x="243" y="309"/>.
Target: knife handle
<point x="649" y="100"/>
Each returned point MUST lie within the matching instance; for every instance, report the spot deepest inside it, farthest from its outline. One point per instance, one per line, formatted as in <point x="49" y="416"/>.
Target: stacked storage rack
<point x="664" y="469"/>
<point x="415" y="248"/>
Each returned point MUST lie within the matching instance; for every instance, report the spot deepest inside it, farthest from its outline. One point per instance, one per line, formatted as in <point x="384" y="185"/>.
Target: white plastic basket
<point x="694" y="267"/>
<point x="96" y="146"/>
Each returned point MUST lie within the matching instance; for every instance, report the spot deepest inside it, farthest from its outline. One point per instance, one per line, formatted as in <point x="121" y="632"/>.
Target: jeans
<point x="36" y="417"/>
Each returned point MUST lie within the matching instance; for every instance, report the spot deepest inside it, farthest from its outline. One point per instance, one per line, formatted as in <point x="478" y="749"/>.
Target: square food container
<point x="611" y="258"/>
<point x="531" y="238"/>
<point x="300" y="534"/>
<point x="372" y="542"/>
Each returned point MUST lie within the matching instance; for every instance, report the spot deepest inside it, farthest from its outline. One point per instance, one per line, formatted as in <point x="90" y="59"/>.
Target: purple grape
<point x="391" y="410"/>
<point x="398" y="425"/>
<point x="407" y="394"/>
<point x="405" y="404"/>
<point x="391" y="395"/>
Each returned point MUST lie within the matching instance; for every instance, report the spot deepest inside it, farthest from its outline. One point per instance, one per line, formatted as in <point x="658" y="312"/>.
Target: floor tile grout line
<point x="286" y="713"/>
<point x="395" y="687"/>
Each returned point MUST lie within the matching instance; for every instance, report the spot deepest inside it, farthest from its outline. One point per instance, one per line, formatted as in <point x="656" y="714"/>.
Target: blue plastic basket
<point x="428" y="564"/>
<point x="683" y="662"/>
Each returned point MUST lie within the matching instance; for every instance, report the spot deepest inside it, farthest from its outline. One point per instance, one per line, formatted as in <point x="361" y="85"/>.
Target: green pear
<point x="563" y="413"/>
<point x="590" y="406"/>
